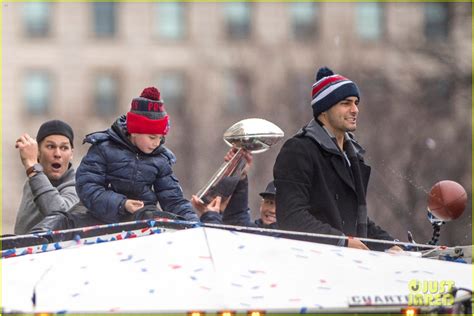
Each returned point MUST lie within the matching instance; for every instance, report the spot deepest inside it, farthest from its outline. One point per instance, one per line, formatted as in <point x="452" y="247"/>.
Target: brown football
<point x="447" y="200"/>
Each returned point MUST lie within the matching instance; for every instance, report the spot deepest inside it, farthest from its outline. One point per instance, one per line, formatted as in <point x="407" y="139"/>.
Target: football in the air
<point x="447" y="200"/>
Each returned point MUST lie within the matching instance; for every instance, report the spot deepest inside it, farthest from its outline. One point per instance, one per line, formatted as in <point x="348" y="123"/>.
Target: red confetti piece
<point x="175" y="266"/>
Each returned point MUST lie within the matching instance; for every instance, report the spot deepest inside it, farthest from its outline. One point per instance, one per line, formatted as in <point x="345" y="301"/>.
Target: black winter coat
<point x="115" y="170"/>
<point x="315" y="188"/>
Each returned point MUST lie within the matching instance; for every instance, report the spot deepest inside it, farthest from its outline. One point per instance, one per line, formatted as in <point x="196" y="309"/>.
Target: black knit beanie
<point x="55" y="127"/>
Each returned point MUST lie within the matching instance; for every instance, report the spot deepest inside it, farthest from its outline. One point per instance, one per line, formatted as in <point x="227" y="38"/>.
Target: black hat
<point x="55" y="127"/>
<point x="269" y="191"/>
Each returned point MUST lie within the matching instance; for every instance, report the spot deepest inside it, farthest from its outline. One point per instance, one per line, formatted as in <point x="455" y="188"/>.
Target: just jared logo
<point x="430" y="293"/>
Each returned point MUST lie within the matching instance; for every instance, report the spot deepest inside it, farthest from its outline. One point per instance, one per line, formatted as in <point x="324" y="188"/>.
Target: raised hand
<point x="28" y="148"/>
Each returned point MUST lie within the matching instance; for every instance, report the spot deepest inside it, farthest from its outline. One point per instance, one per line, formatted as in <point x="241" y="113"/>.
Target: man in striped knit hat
<point x="320" y="174"/>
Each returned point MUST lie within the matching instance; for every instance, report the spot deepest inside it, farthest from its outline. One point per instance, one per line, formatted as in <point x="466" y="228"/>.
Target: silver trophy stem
<point x="233" y="167"/>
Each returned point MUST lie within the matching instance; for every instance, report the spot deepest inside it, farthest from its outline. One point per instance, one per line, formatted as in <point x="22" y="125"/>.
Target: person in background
<point x="232" y="200"/>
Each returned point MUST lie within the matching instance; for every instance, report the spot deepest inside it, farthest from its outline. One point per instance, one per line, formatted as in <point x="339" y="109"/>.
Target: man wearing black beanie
<point x="50" y="184"/>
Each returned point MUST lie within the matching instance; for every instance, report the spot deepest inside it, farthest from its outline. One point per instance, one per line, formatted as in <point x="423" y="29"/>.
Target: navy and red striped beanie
<point x="329" y="89"/>
<point x="147" y="114"/>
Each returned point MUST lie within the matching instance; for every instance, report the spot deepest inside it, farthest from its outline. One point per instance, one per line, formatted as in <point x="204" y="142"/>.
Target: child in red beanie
<point x="128" y="167"/>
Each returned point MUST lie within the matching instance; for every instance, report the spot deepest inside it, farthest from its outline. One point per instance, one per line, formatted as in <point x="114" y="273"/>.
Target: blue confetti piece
<point x="75" y="295"/>
<point x="151" y="223"/>
<point x="44" y="247"/>
<point x="127" y="259"/>
<point x="151" y="291"/>
<point x="61" y="312"/>
<point x="241" y="247"/>
<point x="193" y="278"/>
<point x="144" y="270"/>
<point x="99" y="240"/>
<point x="303" y="310"/>
<point x="57" y="246"/>
<point x="86" y="283"/>
<point x="77" y="237"/>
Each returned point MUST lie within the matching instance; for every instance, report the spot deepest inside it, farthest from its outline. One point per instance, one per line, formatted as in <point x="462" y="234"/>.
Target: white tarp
<point x="210" y="269"/>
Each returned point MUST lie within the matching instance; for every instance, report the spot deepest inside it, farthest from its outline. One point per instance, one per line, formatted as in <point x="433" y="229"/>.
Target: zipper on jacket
<point x="135" y="171"/>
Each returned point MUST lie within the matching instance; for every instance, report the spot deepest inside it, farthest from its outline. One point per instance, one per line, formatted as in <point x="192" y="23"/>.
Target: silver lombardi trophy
<point x="253" y="135"/>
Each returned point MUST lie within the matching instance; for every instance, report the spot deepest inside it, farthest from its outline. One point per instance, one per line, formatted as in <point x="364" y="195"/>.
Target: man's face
<point x="55" y="153"/>
<point x="342" y="117"/>
<point x="147" y="143"/>
<point x="267" y="210"/>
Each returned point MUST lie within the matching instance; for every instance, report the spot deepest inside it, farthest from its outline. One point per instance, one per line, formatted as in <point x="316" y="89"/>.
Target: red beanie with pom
<point x="147" y="114"/>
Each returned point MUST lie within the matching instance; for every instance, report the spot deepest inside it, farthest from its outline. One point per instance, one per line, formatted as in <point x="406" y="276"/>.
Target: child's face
<point x="146" y="142"/>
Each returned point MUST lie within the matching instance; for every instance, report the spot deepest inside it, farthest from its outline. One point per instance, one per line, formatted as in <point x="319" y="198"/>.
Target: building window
<point x="169" y="21"/>
<point x="37" y="18"/>
<point x="172" y="86"/>
<point x="369" y="20"/>
<point x="238" y="17"/>
<point x="238" y="93"/>
<point x="436" y="20"/>
<point x="106" y="94"/>
<point x="303" y="20"/>
<point x="104" y="18"/>
<point x="37" y="90"/>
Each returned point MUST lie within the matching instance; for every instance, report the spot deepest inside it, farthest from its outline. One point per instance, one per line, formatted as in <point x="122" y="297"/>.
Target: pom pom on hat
<point x="323" y="72"/>
<point x="329" y="89"/>
<point x="147" y="114"/>
<point x="151" y="93"/>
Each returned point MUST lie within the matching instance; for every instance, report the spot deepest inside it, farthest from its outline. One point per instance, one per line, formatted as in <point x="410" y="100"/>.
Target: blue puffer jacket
<point x="115" y="170"/>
